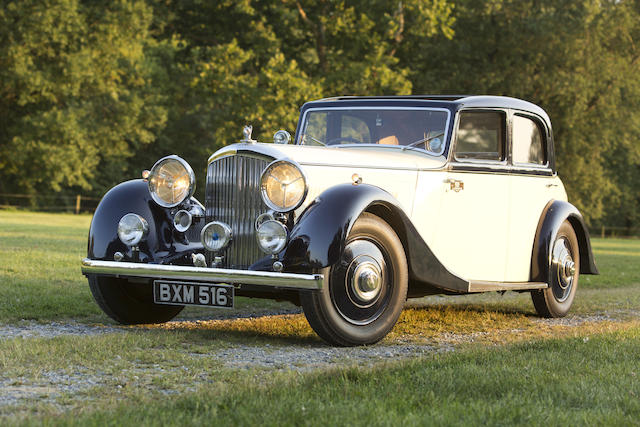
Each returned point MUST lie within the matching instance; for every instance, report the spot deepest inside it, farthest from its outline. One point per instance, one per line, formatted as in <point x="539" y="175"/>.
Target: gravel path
<point x="306" y="358"/>
<point x="30" y="329"/>
<point x="50" y="385"/>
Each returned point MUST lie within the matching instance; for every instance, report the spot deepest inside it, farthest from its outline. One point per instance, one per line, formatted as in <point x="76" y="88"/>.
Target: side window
<point x="354" y="130"/>
<point x="481" y="136"/>
<point x="528" y="144"/>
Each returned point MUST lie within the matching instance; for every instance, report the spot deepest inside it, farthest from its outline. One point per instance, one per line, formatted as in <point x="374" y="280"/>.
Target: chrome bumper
<point x="201" y="274"/>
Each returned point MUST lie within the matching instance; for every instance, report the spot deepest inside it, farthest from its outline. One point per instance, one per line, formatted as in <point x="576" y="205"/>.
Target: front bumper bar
<point x="202" y="274"/>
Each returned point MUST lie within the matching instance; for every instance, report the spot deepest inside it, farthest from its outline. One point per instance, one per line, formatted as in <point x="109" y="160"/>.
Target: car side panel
<point x="426" y="206"/>
<point x="399" y="183"/>
<point x="530" y="194"/>
<point x="318" y="238"/>
<point x="471" y="237"/>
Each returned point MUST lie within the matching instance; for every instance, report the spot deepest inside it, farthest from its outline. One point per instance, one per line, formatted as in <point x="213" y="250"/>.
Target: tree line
<point x="92" y="92"/>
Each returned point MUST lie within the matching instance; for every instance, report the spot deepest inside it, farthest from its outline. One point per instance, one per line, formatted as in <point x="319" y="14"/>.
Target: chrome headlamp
<point x="283" y="186"/>
<point x="171" y="180"/>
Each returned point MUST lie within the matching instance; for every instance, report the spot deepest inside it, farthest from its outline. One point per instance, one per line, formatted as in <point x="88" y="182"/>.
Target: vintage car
<point x="376" y="200"/>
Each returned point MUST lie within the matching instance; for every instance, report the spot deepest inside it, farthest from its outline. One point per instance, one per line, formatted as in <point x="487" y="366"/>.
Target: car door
<point x="533" y="185"/>
<point x="472" y="235"/>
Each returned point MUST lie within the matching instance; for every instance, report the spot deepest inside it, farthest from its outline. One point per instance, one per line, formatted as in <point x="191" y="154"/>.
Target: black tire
<point x="365" y="291"/>
<point x="563" y="273"/>
<point x="129" y="303"/>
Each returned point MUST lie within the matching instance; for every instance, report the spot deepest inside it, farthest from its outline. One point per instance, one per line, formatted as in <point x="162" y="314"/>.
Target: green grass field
<point x="491" y="360"/>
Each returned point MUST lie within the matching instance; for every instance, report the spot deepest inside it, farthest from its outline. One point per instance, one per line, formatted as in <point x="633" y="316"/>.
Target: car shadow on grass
<point x="285" y="329"/>
<point x="415" y="322"/>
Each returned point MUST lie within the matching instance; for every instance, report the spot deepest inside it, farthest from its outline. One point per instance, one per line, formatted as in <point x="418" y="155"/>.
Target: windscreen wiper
<point x="422" y="141"/>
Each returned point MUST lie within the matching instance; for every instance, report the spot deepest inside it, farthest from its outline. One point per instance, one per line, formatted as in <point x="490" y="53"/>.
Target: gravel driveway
<point x="304" y="357"/>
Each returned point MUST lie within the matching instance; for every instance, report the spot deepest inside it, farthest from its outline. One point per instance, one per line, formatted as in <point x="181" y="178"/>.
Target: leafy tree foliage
<point x="74" y="92"/>
<point x="92" y="92"/>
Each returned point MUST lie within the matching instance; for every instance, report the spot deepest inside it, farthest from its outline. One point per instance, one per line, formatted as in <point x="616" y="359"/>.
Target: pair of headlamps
<point x="283" y="185"/>
<point x="171" y="180"/>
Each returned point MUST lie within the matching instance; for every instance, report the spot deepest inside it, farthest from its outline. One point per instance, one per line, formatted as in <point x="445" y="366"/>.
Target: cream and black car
<point x="374" y="200"/>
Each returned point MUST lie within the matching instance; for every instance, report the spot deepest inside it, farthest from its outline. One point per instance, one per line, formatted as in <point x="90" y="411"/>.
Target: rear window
<point x="528" y="146"/>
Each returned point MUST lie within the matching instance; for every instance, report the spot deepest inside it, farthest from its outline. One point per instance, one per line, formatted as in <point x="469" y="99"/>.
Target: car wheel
<point x="364" y="291"/>
<point x="564" y="271"/>
<point x="129" y="303"/>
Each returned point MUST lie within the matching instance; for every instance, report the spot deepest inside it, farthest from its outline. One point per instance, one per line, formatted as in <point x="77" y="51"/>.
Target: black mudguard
<point x="554" y="214"/>
<point x="319" y="236"/>
<point x="163" y="244"/>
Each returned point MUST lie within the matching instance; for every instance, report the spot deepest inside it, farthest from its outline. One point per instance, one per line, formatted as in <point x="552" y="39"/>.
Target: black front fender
<point x="554" y="214"/>
<point x="163" y="244"/>
<point x="319" y="236"/>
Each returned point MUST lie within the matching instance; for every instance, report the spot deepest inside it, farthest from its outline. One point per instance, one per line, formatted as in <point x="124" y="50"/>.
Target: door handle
<point x="455" y="184"/>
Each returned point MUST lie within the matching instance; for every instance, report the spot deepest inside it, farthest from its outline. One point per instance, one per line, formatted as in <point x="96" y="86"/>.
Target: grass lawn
<point x="489" y="359"/>
<point x="40" y="278"/>
<point x="589" y="380"/>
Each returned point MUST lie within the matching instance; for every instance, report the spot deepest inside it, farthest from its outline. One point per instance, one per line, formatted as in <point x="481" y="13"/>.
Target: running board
<point x="501" y="286"/>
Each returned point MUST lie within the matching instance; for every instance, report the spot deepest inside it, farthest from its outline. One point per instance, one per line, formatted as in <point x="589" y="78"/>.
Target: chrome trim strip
<point x="259" y="150"/>
<point x="480" y="286"/>
<point x="201" y="274"/>
<point x="364" y="166"/>
<point x="498" y="169"/>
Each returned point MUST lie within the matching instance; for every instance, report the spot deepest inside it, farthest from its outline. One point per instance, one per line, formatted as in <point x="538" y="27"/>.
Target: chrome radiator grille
<point x="233" y="197"/>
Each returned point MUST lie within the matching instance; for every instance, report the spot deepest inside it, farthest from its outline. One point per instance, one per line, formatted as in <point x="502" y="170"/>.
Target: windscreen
<point x="417" y="128"/>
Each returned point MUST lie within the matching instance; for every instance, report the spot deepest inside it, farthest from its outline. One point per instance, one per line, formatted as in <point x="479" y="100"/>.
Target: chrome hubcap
<point x="360" y="285"/>
<point x="366" y="281"/>
<point x="564" y="269"/>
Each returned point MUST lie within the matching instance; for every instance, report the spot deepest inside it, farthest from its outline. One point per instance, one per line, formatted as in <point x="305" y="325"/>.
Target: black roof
<point x="424" y="97"/>
<point x="455" y="101"/>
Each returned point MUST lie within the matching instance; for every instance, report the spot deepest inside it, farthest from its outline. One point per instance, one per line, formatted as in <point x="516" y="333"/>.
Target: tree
<point x="351" y="47"/>
<point x="74" y="94"/>
<point x="577" y="60"/>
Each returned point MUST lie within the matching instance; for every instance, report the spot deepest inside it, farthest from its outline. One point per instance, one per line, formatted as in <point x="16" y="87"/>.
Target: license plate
<point x="181" y="293"/>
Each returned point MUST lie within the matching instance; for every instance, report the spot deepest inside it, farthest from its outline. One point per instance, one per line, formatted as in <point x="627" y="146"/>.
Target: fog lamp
<point x="182" y="220"/>
<point x="132" y="228"/>
<point x="272" y="236"/>
<point x="215" y="236"/>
